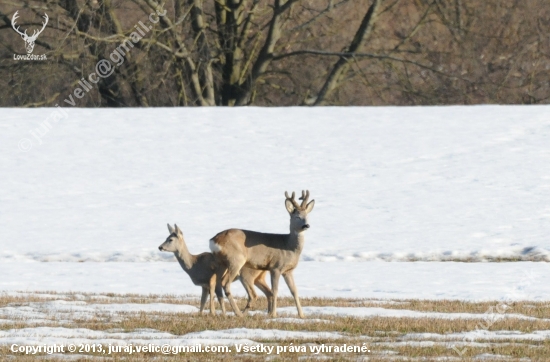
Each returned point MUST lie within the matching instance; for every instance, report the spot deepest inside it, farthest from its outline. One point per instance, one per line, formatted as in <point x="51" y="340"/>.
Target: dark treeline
<point x="276" y="52"/>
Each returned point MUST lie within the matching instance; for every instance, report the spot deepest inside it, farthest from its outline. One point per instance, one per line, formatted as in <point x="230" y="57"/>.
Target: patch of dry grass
<point x="535" y="309"/>
<point x="385" y="336"/>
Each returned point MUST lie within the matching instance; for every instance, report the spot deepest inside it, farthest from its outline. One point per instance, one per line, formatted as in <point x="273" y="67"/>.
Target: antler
<point x="35" y="34"/>
<point x="304" y="198"/>
<point x="17" y="29"/>
<point x="292" y="199"/>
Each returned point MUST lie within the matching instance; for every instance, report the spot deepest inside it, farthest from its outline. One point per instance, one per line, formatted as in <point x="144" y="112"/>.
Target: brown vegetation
<point x="280" y="52"/>
<point x="385" y="336"/>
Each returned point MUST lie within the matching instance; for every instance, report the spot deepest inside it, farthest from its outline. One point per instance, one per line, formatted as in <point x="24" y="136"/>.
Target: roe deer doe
<point x="202" y="269"/>
<point x="278" y="253"/>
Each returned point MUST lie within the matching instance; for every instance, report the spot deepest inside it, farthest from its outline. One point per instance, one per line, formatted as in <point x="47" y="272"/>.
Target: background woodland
<point x="281" y="52"/>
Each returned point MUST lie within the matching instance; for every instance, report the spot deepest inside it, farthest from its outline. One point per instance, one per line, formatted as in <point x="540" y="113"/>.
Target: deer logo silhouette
<point x="29" y="40"/>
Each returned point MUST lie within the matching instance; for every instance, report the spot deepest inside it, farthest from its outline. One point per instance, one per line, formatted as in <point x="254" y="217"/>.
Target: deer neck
<point x="185" y="258"/>
<point x="296" y="241"/>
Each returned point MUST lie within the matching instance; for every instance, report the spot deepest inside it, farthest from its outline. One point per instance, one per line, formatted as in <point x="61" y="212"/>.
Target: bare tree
<point x="281" y="52"/>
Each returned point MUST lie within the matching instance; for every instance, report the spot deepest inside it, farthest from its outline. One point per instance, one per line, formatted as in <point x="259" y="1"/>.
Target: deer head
<point x="298" y="212"/>
<point x="172" y="241"/>
<point x="29" y="40"/>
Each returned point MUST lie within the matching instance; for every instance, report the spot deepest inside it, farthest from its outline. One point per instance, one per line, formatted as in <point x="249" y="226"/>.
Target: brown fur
<point x="278" y="253"/>
<point x="203" y="270"/>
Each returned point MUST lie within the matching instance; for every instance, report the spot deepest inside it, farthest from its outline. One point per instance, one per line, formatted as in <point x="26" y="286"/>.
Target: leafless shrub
<point x="282" y="52"/>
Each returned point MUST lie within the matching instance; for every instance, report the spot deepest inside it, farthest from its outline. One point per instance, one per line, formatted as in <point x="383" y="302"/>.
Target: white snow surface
<point x="481" y="335"/>
<point x="390" y="183"/>
<point x="378" y="280"/>
<point x="71" y="310"/>
<point x="93" y="194"/>
<point x="365" y="312"/>
<point x="60" y="335"/>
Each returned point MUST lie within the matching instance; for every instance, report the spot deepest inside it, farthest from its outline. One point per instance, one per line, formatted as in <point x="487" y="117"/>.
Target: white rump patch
<point x="215" y="248"/>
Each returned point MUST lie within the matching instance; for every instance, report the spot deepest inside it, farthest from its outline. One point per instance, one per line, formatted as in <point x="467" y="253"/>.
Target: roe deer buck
<point x="278" y="253"/>
<point x="202" y="269"/>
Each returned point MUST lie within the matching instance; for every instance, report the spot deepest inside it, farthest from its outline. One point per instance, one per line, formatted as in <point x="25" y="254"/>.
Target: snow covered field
<point x="411" y="203"/>
<point x="382" y="280"/>
<point x="392" y="184"/>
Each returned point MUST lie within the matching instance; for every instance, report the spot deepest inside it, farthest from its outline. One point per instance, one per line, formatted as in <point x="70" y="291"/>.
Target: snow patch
<point x="59" y="335"/>
<point x="367" y="312"/>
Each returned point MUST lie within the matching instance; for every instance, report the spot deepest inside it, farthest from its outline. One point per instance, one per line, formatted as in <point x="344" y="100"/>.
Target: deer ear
<point x="178" y="231"/>
<point x="289" y="207"/>
<point x="170" y="229"/>
<point x="309" y="206"/>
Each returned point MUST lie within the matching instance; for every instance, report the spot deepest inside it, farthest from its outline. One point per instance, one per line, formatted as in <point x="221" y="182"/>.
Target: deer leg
<point x="275" y="275"/>
<point x="219" y="294"/>
<point x="228" y="278"/>
<point x="218" y="289"/>
<point x="203" y="298"/>
<point x="262" y="285"/>
<point x="212" y="288"/>
<point x="252" y="296"/>
<point x="289" y="279"/>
